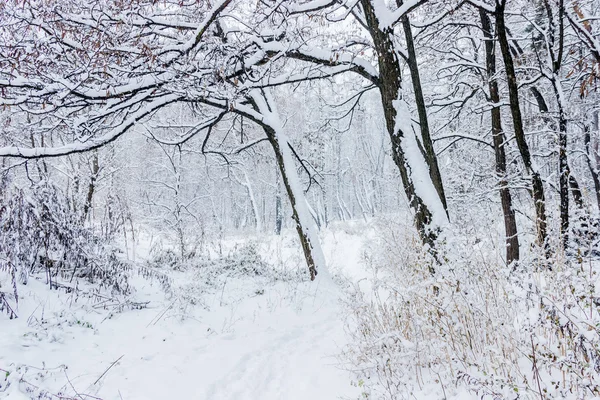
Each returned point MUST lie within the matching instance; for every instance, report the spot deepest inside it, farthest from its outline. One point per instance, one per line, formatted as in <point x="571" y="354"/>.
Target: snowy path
<point x="291" y="363"/>
<point x="254" y="340"/>
<point x="251" y="350"/>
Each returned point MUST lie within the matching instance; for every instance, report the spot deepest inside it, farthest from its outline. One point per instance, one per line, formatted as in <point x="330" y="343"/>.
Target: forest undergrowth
<point x="525" y="331"/>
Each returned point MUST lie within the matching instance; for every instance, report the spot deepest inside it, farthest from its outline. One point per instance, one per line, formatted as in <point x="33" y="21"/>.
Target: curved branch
<point x="93" y="143"/>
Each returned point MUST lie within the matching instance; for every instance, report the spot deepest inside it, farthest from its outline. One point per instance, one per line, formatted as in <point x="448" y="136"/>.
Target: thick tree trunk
<point x="515" y="109"/>
<point x="399" y="127"/>
<point x="510" y="224"/>
<point x="431" y="157"/>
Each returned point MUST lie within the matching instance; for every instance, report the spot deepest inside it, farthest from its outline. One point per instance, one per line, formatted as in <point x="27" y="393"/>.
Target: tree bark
<point x="431" y="157"/>
<point x="592" y="157"/>
<point x="515" y="109"/>
<point x="564" y="176"/>
<point x="91" y="187"/>
<point x="390" y="88"/>
<point x="510" y="224"/>
<point x="278" y="213"/>
<point x="298" y="217"/>
<point x="267" y="117"/>
<point x="556" y="62"/>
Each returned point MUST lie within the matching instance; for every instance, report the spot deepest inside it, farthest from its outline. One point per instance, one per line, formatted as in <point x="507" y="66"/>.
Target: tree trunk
<point x="515" y="109"/>
<point x="556" y="57"/>
<point x="576" y="191"/>
<point x="592" y="157"/>
<point x="302" y="220"/>
<point x="278" y="212"/>
<point x="91" y="187"/>
<point x="564" y="172"/>
<point x="406" y="150"/>
<point x="305" y="225"/>
<point x="255" y="213"/>
<point x="510" y="224"/>
<point x="431" y="157"/>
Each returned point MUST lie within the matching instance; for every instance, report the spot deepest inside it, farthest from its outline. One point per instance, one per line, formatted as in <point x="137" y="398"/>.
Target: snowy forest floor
<point x="244" y="335"/>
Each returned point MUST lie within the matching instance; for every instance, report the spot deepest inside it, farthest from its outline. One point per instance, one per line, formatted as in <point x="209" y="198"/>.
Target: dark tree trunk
<point x="542" y="106"/>
<point x="304" y="238"/>
<point x="390" y="88"/>
<point x="576" y="191"/>
<point x="556" y="56"/>
<point x="312" y="251"/>
<point x="515" y="109"/>
<point x="566" y="179"/>
<point x="592" y="158"/>
<point x="564" y="176"/>
<point x="510" y="223"/>
<point x="431" y="157"/>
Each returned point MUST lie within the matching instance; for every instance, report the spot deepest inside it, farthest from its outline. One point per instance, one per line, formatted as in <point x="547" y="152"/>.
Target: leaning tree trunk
<point x="572" y="181"/>
<point x="408" y="154"/>
<point x="510" y="223"/>
<point x="305" y="225"/>
<point x="515" y="109"/>
<point x="431" y="157"/>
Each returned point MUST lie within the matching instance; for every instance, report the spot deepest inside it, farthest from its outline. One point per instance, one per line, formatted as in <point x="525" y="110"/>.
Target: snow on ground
<point x="246" y="338"/>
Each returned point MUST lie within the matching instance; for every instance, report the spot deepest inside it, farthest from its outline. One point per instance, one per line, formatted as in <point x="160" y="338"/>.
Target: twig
<point x="71" y="384"/>
<point x="155" y="320"/>
<point x="107" y="369"/>
<point x="80" y="395"/>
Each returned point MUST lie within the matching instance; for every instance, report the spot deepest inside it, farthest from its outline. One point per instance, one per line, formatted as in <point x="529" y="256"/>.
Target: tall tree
<point x="510" y="223"/>
<point x="133" y="75"/>
<point x="518" y="127"/>
<point x="413" y="65"/>
<point x="379" y="23"/>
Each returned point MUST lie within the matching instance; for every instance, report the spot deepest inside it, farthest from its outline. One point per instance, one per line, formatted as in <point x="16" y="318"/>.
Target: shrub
<point x="41" y="234"/>
<point x="530" y="332"/>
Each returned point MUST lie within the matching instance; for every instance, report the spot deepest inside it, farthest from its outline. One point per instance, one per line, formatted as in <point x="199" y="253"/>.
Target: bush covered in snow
<point x="242" y="266"/>
<point x="529" y="332"/>
<point x="41" y="235"/>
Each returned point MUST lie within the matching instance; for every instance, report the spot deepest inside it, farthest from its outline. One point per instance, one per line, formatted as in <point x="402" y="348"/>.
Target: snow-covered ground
<point x="245" y="338"/>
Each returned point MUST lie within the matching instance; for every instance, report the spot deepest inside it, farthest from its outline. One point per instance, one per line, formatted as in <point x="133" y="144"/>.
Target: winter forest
<point x="299" y="199"/>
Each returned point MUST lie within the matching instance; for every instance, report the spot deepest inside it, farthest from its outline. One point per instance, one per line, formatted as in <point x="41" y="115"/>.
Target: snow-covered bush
<point x="242" y="266"/>
<point x="161" y="258"/>
<point x="529" y="332"/>
<point x="41" y="234"/>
